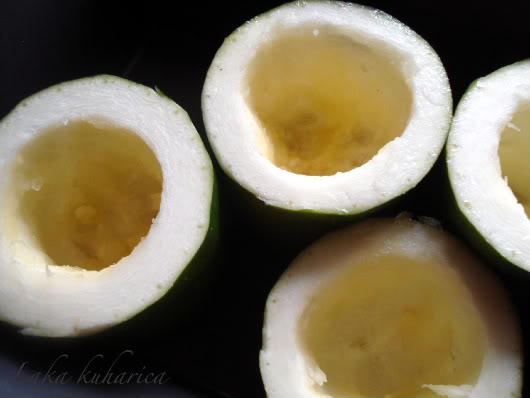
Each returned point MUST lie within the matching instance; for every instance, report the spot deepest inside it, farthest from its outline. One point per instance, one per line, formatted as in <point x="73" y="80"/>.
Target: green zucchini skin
<point x="291" y="230"/>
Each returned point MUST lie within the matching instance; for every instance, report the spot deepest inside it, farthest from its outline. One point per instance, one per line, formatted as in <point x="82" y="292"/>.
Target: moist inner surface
<point x="393" y="327"/>
<point x="82" y="195"/>
<point x="325" y="103"/>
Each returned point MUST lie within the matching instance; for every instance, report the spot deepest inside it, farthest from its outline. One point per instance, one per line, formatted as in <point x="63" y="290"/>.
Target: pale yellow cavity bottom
<point x="325" y="103"/>
<point x="82" y="195"/>
<point x="388" y="327"/>
<point x="514" y="154"/>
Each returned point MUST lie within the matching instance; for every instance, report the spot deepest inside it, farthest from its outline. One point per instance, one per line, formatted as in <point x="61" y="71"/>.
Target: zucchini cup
<point x="488" y="166"/>
<point x="390" y="308"/>
<point x="326" y="109"/>
<point x="106" y="197"/>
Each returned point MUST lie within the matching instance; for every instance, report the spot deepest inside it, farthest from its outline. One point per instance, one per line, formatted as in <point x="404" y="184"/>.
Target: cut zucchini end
<point x="488" y="163"/>
<point x="106" y="194"/>
<point x="326" y="107"/>
<point x="389" y="308"/>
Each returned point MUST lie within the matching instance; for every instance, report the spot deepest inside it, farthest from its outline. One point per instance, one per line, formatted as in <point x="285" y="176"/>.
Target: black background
<point x="171" y="47"/>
